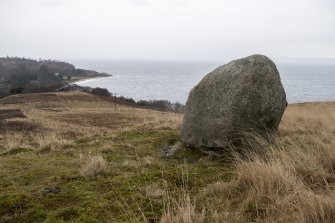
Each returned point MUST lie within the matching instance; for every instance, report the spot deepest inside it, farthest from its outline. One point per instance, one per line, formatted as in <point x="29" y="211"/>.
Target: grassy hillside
<point x="72" y="157"/>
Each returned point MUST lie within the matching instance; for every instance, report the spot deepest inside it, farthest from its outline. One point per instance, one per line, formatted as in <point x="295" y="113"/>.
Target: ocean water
<point x="304" y="81"/>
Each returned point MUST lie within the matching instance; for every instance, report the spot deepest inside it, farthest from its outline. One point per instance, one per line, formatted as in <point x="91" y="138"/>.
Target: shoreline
<point x="87" y="78"/>
<point x="75" y="82"/>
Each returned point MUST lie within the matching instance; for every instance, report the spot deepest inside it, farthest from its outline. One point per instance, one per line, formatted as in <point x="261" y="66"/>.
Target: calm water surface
<point x="172" y="80"/>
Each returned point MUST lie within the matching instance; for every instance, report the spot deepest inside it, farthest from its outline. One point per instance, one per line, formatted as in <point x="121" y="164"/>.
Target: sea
<point x="303" y="80"/>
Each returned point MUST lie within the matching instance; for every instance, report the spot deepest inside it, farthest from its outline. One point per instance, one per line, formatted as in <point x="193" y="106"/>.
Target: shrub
<point x="93" y="166"/>
<point x="159" y="104"/>
<point x="100" y="92"/>
<point x="18" y="90"/>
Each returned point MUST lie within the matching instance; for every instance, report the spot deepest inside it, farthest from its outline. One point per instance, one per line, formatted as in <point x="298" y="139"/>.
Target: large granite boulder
<point x="242" y="98"/>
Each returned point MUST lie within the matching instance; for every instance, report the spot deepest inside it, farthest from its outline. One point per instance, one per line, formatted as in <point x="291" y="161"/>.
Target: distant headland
<point x="22" y="75"/>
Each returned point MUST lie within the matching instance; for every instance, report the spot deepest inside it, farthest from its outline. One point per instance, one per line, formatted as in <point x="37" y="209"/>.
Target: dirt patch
<point x="107" y="120"/>
<point x="17" y="126"/>
<point x="48" y="97"/>
<point x="11" y="113"/>
<point x="54" y="109"/>
<point x="78" y="96"/>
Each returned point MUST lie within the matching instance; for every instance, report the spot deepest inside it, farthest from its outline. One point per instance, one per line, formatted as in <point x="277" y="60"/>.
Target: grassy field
<point x="73" y="157"/>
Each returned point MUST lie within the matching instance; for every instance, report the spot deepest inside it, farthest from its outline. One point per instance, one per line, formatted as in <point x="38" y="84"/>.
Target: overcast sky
<point x="166" y="29"/>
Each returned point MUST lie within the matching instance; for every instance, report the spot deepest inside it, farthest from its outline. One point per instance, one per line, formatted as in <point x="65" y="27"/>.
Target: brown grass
<point x="11" y="113"/>
<point x="155" y="191"/>
<point x="184" y="213"/>
<point x="292" y="180"/>
<point x="181" y="209"/>
<point x="56" y="120"/>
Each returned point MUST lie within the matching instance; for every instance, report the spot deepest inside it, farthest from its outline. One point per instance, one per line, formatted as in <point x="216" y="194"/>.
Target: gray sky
<point x="167" y="29"/>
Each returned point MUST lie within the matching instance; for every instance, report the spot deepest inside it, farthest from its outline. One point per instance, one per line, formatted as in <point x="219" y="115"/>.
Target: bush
<point x="100" y="92"/>
<point x="18" y="90"/>
<point x="160" y="104"/>
<point x="127" y="100"/>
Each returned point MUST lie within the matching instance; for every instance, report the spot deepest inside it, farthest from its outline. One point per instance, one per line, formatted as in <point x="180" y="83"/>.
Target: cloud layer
<point x="167" y="29"/>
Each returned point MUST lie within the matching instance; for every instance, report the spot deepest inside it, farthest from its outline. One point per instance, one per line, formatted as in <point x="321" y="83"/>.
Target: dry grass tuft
<point x="149" y="160"/>
<point x="272" y="189"/>
<point x="185" y="212"/>
<point x="12" y="141"/>
<point x="51" y="141"/>
<point x="139" y="162"/>
<point x="131" y="163"/>
<point x="181" y="209"/>
<point x="155" y="191"/>
<point x="93" y="166"/>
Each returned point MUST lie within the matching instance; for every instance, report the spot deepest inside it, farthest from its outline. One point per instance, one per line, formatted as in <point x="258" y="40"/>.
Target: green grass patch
<point x="134" y="162"/>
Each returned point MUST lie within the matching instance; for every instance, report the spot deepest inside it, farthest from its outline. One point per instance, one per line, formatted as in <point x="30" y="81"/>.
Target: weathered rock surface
<point x="242" y="97"/>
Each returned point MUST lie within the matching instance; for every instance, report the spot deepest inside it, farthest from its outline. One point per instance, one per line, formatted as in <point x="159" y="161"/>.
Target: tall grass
<point x="182" y="209"/>
<point x="292" y="180"/>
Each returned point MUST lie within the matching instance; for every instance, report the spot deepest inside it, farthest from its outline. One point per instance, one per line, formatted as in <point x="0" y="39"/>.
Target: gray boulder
<point x="242" y="98"/>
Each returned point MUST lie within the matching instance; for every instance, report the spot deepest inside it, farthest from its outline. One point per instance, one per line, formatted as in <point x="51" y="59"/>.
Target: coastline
<point x="86" y="78"/>
<point x="75" y="82"/>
